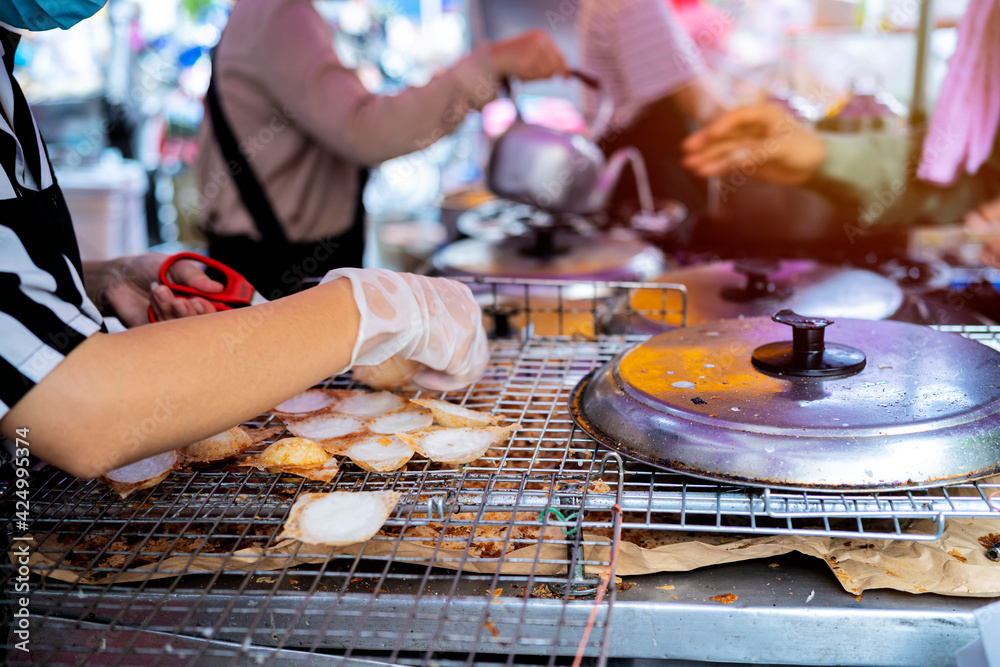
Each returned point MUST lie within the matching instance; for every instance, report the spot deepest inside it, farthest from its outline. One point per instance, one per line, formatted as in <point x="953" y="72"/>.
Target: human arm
<point x="780" y="149"/>
<point x="125" y="288"/>
<point x="982" y="224"/>
<point x="328" y="101"/>
<point x="122" y="397"/>
<point x="871" y="175"/>
<point x="119" y="398"/>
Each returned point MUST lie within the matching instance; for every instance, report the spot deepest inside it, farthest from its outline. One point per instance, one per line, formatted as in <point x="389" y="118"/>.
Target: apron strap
<point x="251" y="192"/>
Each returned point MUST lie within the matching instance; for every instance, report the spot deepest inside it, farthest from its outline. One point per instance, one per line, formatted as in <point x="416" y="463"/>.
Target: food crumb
<point x="665" y="588"/>
<point x="497" y="592"/>
<point x="698" y="401"/>
<point x="674" y="596"/>
<point x="989" y="540"/>
<point x="492" y="628"/>
<point x="543" y="591"/>
<point x="266" y="580"/>
<point x="774" y="565"/>
<point x="599" y="486"/>
<point x="957" y="555"/>
<point x="726" y="598"/>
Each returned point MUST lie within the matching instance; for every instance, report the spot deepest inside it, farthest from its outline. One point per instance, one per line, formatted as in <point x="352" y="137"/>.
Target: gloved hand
<point x="433" y="321"/>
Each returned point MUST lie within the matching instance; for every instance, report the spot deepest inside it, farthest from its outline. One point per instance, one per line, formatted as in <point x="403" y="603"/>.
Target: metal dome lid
<point x="755" y="287"/>
<point x="921" y="408"/>
<point x="618" y="255"/>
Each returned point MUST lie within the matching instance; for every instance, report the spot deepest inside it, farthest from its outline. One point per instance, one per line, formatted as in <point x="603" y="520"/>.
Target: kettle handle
<point x="604" y="110"/>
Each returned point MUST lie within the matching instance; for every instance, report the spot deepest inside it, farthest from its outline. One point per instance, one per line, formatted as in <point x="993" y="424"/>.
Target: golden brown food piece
<point x="142" y="474"/>
<point x="326" y="426"/>
<point x="339" y="518"/>
<point x="379" y="453"/>
<point x="218" y="447"/>
<point x="455" y="416"/>
<point x="456" y="445"/>
<point x="296" y="456"/>
<point x="410" y="418"/>
<point x="311" y="400"/>
<point x="392" y="373"/>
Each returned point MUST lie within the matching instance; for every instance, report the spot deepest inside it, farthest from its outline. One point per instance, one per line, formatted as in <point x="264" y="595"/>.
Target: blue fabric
<point x="39" y="15"/>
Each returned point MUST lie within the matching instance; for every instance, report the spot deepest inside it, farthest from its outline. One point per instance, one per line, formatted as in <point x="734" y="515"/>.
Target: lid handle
<point x="808" y="355"/>
<point x="757" y="270"/>
<point x="807" y="332"/>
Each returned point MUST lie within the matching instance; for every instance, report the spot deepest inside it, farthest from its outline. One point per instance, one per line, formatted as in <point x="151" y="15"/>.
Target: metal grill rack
<point x="497" y="561"/>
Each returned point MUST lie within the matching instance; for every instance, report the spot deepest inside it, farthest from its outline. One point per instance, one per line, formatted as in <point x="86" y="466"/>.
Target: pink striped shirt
<point x="638" y="50"/>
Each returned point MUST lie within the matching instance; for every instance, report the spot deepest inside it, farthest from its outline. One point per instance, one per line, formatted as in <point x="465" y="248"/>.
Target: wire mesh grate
<point x="496" y="561"/>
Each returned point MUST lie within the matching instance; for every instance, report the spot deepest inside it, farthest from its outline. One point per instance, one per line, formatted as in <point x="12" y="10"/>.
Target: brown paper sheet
<point x="956" y="564"/>
<point x="289" y="553"/>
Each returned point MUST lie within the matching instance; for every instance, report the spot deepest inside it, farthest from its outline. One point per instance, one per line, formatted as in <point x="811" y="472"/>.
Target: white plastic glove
<point x="433" y="321"/>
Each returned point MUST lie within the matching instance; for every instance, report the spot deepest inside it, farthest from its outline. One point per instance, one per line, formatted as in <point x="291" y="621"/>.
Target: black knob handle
<point x="807" y="332"/>
<point x="807" y="354"/>
<point x="758" y="285"/>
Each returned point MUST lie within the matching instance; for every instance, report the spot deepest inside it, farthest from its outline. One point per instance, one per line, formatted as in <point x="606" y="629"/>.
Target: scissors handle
<point x="237" y="290"/>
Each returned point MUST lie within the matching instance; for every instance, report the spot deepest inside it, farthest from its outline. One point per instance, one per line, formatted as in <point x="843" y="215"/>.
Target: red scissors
<point x="237" y="292"/>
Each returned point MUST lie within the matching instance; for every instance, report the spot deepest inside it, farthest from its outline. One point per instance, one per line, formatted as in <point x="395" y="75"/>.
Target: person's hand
<point x="780" y="149"/>
<point x="529" y="55"/>
<point x="127" y="287"/>
<point x="982" y="224"/>
<point x="433" y="321"/>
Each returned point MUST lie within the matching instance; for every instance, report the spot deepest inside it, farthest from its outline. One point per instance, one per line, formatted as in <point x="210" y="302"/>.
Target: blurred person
<point x="983" y="224"/>
<point x="297" y="129"/>
<point x="88" y="401"/>
<point x="881" y="179"/>
<point x="659" y="86"/>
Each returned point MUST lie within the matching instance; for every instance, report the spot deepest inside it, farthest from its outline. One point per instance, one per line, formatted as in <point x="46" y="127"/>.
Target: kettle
<point x="562" y="172"/>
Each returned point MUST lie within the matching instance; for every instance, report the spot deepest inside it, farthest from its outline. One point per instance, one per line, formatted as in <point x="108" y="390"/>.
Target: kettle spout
<point x="608" y="179"/>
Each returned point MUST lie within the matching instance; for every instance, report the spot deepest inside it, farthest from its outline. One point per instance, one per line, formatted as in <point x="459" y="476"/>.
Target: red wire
<point x="601" y="588"/>
<point x="989" y="499"/>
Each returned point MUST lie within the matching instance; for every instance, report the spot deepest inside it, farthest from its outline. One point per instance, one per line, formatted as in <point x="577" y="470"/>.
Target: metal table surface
<point x="792" y="614"/>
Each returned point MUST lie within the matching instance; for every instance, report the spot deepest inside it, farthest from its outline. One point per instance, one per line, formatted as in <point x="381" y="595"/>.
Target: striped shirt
<point x="44" y="311"/>
<point x="639" y="52"/>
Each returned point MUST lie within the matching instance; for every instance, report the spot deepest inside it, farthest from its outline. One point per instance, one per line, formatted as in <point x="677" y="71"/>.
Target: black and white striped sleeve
<point x="44" y="310"/>
<point x="44" y="313"/>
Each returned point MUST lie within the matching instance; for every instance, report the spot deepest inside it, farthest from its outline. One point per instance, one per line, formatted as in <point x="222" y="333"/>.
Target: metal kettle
<point x="562" y="172"/>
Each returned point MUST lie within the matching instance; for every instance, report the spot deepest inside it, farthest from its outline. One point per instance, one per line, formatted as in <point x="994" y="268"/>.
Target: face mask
<point x="38" y="15"/>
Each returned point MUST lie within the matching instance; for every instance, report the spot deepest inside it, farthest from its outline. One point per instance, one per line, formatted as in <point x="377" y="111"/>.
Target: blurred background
<point x="118" y="97"/>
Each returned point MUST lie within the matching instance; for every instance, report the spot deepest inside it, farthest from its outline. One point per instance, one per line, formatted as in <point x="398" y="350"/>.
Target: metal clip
<point x="438" y="507"/>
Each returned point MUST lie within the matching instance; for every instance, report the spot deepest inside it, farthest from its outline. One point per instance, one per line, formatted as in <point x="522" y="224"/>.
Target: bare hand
<point x="781" y="149"/>
<point x="982" y="224"/>
<point x="127" y="287"/>
<point x="530" y="55"/>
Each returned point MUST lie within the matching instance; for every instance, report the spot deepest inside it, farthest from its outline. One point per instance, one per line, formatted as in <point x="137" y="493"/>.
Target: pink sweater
<point x="306" y="122"/>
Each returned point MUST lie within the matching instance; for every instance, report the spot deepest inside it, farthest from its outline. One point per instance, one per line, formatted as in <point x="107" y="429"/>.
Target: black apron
<point x="275" y="265"/>
<point x="42" y="221"/>
<point x="657" y="132"/>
